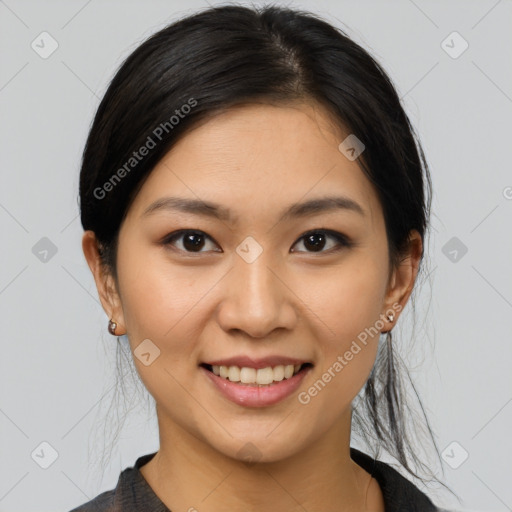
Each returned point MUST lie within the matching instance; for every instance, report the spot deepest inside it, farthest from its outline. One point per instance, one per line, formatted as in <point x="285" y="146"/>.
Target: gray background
<point x="58" y="362"/>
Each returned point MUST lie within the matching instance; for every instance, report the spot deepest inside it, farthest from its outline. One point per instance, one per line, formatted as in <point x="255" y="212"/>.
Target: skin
<point x="292" y="300"/>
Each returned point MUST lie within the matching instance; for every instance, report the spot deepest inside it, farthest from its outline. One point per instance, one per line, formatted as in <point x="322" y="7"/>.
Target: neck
<point x="188" y="474"/>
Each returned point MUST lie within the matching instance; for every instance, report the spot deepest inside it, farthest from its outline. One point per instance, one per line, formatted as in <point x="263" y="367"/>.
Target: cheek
<point x="352" y="313"/>
<point x="161" y="303"/>
<point x="158" y="297"/>
<point x="352" y="297"/>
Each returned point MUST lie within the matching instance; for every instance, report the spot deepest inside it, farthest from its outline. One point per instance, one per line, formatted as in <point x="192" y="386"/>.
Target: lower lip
<point x="256" y="396"/>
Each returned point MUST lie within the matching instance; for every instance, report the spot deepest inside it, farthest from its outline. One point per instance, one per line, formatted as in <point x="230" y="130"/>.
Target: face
<point x="251" y="282"/>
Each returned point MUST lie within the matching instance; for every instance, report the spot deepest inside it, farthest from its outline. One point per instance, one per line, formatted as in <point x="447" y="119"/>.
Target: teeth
<point x="233" y="374"/>
<point x="261" y="376"/>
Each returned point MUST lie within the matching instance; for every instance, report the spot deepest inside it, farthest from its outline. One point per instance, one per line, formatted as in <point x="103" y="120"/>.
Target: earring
<point x="390" y="317"/>
<point x="112" y="327"/>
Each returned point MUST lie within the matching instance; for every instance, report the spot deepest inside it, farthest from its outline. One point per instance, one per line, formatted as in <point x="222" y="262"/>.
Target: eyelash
<point x="343" y="241"/>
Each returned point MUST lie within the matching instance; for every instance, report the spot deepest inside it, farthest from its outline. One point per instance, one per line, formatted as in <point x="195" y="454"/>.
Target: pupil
<point x="189" y="243"/>
<point x="315" y="246"/>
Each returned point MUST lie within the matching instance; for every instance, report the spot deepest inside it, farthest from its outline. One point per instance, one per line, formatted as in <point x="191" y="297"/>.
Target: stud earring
<point x="390" y="317"/>
<point x="112" y="327"/>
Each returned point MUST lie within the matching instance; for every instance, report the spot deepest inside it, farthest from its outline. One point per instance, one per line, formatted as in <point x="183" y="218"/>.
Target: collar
<point x="398" y="492"/>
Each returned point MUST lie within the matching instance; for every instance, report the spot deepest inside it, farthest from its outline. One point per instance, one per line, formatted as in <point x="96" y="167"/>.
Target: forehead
<point x="255" y="158"/>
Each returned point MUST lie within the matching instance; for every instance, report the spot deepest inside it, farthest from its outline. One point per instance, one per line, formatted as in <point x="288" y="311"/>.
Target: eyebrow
<point x="217" y="211"/>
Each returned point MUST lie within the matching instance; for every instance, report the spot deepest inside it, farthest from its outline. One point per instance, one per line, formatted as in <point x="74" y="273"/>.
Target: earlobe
<point x="105" y="284"/>
<point x="389" y="317"/>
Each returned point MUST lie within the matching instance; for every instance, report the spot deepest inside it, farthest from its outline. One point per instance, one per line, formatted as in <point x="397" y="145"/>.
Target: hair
<point x="227" y="56"/>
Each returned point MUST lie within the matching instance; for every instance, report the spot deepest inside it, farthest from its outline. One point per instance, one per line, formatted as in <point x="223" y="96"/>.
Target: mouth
<point x="260" y="377"/>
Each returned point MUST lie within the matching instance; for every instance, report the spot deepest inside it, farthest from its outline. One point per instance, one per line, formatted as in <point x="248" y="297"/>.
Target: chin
<point x="259" y="448"/>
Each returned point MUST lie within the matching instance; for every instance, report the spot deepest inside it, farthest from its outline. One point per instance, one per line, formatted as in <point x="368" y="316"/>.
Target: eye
<point x="193" y="241"/>
<point x="316" y="240"/>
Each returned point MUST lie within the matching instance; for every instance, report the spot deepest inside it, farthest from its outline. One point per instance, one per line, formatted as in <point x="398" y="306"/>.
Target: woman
<point x="255" y="204"/>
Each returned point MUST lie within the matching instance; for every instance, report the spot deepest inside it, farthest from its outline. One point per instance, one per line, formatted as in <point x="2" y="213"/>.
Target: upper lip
<point x="263" y="362"/>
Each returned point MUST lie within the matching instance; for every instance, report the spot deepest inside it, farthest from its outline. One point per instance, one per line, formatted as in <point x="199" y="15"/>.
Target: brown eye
<point x="316" y="241"/>
<point x="191" y="241"/>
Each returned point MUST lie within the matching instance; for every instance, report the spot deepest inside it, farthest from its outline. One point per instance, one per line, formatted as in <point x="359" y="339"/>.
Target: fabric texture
<point x="134" y="494"/>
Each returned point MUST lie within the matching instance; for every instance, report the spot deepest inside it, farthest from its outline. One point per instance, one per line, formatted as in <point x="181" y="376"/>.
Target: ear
<point x="402" y="280"/>
<point x="105" y="283"/>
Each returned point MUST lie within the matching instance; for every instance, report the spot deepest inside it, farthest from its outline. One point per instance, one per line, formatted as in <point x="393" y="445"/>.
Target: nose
<point x="256" y="299"/>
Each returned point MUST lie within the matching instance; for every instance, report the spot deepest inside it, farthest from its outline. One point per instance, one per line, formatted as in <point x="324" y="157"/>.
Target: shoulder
<point x="104" y="502"/>
<point x="131" y="493"/>
<point x="399" y="493"/>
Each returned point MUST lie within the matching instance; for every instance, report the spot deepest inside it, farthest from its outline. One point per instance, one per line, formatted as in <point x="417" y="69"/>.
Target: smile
<point x="261" y="376"/>
<point x="251" y="387"/>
